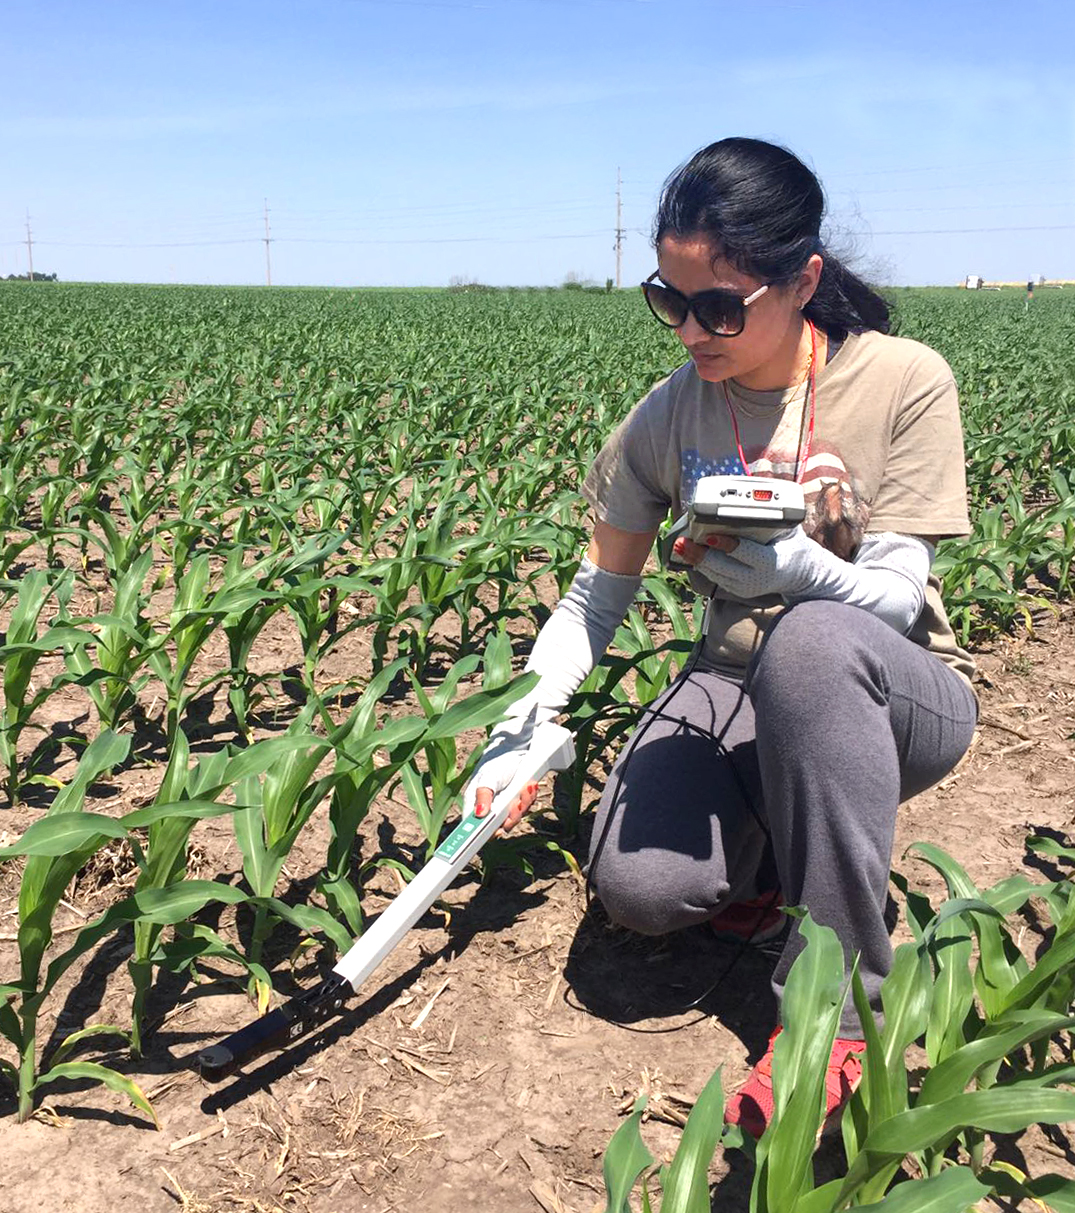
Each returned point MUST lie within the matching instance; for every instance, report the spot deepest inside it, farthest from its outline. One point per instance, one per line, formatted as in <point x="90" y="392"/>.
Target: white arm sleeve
<point x="888" y="576"/>
<point x="890" y="572"/>
<point x="568" y="647"/>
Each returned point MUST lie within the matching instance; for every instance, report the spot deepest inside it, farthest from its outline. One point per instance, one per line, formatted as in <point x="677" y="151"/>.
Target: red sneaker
<point x="756" y="922"/>
<point x="752" y="1106"/>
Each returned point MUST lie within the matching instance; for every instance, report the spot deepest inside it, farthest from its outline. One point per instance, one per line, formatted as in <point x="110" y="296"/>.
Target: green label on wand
<point x="458" y="838"/>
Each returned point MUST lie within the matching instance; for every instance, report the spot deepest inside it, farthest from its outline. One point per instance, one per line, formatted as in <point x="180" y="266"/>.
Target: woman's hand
<point x="790" y="566"/>
<point x="483" y="802"/>
<point x="496" y="769"/>
<point x="691" y="553"/>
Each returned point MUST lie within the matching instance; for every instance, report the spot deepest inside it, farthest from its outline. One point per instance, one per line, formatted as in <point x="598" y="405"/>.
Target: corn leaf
<point x="626" y="1157"/>
<point x="813" y="1001"/>
<point x="686" y="1188"/>
<point x="55" y="836"/>
<point x="166" y="906"/>
<point x="998" y="1110"/>
<point x="97" y="1073"/>
<point x="953" y="1191"/>
<point x="955" y="1073"/>
<point x="97" y="1029"/>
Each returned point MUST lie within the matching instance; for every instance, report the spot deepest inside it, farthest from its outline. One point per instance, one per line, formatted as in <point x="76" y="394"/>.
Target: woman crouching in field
<point x="828" y="686"/>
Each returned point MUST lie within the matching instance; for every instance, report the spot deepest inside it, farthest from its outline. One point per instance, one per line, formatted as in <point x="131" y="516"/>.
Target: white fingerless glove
<point x="500" y="759"/>
<point x="888" y="576"/>
<point x="568" y="647"/>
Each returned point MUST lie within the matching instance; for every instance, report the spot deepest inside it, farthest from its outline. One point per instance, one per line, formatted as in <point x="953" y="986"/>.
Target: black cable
<point x="636" y="737"/>
<point x="653" y="714"/>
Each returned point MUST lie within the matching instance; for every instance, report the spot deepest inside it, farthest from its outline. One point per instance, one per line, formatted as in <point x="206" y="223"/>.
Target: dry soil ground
<point x="492" y="1058"/>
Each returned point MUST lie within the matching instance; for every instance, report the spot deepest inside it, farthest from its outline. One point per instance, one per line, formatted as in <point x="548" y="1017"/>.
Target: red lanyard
<point x="801" y="456"/>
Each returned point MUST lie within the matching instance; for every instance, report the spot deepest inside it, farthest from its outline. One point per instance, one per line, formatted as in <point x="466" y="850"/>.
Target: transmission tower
<point x="268" y="241"/>
<point x="29" y="244"/>
<point x="619" y="228"/>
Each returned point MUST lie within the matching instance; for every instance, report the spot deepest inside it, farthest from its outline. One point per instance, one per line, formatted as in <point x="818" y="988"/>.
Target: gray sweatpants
<point x="839" y="719"/>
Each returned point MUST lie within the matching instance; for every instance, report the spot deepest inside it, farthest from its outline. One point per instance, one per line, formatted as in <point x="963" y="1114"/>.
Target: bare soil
<point x="487" y="1065"/>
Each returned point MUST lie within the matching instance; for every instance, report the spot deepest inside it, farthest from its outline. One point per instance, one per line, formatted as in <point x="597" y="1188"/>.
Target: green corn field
<point x="279" y="556"/>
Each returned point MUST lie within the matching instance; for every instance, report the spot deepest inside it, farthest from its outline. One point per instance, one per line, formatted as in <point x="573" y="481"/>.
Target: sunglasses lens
<point x="720" y="312"/>
<point x="668" y="306"/>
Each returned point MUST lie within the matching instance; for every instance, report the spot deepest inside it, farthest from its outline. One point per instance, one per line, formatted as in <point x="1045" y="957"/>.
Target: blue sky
<point x="414" y="141"/>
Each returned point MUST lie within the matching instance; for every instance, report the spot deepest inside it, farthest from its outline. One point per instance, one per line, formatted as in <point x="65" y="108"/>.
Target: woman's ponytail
<point x="844" y="303"/>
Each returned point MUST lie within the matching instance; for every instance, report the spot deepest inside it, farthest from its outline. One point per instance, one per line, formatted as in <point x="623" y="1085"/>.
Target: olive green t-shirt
<point x="886" y="420"/>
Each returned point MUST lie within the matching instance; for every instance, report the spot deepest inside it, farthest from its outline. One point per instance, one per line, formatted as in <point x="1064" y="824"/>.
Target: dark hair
<point x="760" y="207"/>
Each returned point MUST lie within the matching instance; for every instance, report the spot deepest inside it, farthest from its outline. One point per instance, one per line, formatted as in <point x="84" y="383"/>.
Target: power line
<point x="526" y="239"/>
<point x="323" y="240"/>
<point x="938" y="210"/>
<point x="961" y="185"/>
<point x="354" y="224"/>
<point x="948" y="168"/>
<point x="446" y="239"/>
<point x="158" y="244"/>
<point x="459" y="208"/>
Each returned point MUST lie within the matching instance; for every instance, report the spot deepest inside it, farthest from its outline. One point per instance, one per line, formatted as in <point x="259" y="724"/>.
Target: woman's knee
<point x="632" y="899"/>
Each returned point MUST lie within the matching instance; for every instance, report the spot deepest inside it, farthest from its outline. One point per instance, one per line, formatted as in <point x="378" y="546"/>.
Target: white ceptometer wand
<point x="552" y="748"/>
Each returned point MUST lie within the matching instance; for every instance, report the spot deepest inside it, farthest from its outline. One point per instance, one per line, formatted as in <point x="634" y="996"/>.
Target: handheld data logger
<point x="748" y="507"/>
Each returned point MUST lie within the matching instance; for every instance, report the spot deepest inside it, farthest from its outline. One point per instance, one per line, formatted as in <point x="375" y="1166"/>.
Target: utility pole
<point x="268" y="265"/>
<point x="29" y="244"/>
<point x="619" y="228"/>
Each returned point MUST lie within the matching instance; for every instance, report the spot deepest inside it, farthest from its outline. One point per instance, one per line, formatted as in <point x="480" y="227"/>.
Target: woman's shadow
<point x="625" y="978"/>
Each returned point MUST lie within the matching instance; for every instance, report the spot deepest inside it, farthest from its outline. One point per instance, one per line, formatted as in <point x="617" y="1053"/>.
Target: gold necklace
<point x="792" y="390"/>
<point x="802" y="457"/>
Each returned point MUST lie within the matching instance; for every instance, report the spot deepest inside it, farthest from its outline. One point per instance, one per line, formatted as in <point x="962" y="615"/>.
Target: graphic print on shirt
<point x="692" y="468"/>
<point x="836" y="516"/>
<point x="822" y="468"/>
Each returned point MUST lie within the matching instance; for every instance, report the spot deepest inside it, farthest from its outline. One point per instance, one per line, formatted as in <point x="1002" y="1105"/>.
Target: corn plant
<point x="20" y="654"/>
<point x="196" y="611"/>
<point x="18" y="1023"/>
<point x="161" y="896"/>
<point x="361" y="778"/>
<point x="314" y="602"/>
<point x="978" y="1082"/>
<point x="434" y="785"/>
<point x="283" y="580"/>
<point x="118" y="646"/>
<point x="45" y="878"/>
<point x="685" y="1181"/>
<point x="276" y="805"/>
<point x="188" y="794"/>
<point x="437" y="789"/>
<point x="279" y="804"/>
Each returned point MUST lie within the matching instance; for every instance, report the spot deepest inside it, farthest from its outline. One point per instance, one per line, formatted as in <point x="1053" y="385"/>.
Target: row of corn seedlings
<point x="276" y="784"/>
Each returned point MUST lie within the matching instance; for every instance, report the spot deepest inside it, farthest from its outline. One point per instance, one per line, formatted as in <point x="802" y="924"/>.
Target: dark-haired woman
<point x="828" y="686"/>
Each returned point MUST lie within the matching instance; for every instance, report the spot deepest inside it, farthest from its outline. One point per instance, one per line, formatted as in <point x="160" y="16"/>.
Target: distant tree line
<point x="458" y="284"/>
<point x="37" y="277"/>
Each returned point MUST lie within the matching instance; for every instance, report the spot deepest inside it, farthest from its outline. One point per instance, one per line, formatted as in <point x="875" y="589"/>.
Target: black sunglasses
<point x="722" y="313"/>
